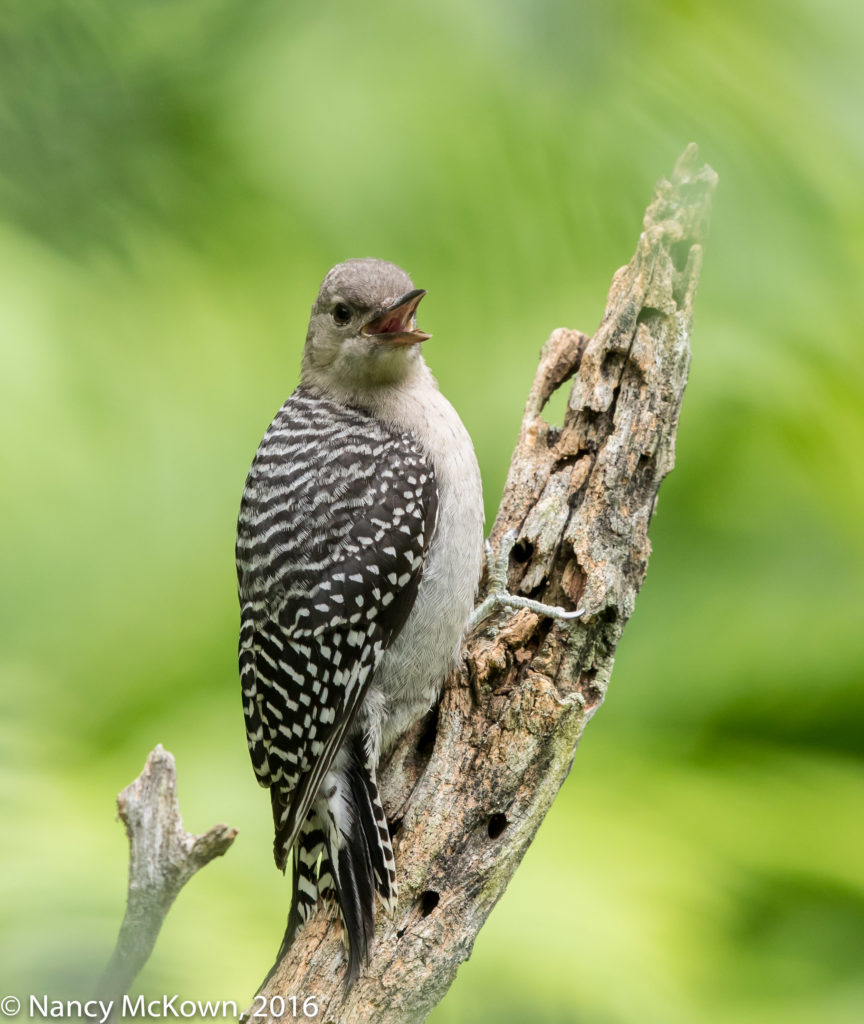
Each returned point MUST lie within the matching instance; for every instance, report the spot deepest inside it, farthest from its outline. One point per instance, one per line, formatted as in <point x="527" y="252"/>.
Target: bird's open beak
<point x="393" y="326"/>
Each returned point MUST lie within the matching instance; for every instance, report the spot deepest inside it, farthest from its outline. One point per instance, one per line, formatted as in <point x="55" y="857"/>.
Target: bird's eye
<point x="341" y="313"/>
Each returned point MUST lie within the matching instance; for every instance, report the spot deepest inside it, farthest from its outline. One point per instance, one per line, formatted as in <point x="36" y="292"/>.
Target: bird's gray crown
<point x="364" y="284"/>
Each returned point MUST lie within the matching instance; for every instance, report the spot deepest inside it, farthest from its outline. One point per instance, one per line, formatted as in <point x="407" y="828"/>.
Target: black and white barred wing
<point x="334" y="527"/>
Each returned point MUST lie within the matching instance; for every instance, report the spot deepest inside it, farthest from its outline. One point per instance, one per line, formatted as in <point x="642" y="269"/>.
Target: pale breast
<point x="413" y="669"/>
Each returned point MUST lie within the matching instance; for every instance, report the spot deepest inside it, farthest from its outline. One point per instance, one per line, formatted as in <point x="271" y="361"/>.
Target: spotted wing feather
<point x="335" y="522"/>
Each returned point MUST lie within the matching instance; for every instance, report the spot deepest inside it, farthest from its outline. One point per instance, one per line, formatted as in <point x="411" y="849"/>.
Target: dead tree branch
<point x="468" y="788"/>
<point x="163" y="856"/>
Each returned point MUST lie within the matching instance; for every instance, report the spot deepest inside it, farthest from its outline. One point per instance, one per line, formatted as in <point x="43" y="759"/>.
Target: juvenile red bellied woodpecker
<point x="359" y="550"/>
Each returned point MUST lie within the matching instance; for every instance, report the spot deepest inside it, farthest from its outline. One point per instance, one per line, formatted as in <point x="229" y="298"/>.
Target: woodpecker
<point x="359" y="551"/>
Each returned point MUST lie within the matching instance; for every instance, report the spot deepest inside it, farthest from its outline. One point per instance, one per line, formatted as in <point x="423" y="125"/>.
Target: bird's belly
<point x="412" y="671"/>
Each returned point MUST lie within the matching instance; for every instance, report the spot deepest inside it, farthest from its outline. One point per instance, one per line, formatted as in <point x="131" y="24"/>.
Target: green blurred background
<point x="175" y="179"/>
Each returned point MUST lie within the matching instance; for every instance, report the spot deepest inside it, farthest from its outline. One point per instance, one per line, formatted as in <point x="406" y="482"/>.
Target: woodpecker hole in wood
<point x="429" y="901"/>
<point x="497" y="824"/>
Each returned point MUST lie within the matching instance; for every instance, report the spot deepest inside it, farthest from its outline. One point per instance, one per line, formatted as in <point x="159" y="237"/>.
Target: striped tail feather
<point x="308" y="850"/>
<point x="375" y="832"/>
<point x="345" y="861"/>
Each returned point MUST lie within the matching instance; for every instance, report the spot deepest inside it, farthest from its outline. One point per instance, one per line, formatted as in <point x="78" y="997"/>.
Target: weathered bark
<point x="467" y="789"/>
<point x="163" y="856"/>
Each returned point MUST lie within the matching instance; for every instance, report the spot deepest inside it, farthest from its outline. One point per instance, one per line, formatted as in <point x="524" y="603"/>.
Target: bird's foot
<point x="499" y="598"/>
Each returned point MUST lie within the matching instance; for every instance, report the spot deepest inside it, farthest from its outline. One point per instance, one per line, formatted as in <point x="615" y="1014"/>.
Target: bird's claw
<point x="498" y="596"/>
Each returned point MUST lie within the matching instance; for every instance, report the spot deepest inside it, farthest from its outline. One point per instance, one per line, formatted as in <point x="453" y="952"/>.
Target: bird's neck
<point x="389" y="401"/>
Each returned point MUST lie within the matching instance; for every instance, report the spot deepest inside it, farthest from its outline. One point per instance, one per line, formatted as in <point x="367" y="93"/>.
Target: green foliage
<point x="175" y="179"/>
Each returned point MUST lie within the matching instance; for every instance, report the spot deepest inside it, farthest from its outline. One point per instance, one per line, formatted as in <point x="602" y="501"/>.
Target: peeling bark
<point x="467" y="788"/>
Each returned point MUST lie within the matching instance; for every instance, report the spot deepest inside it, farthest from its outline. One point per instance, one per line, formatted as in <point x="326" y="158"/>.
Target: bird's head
<point x="363" y="329"/>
